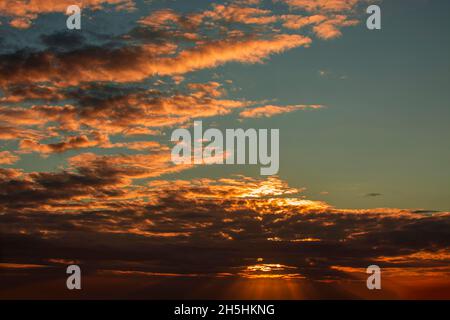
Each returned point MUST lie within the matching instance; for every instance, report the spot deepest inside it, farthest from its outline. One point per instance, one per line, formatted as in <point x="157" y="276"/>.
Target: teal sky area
<point x="386" y="126"/>
<point x="383" y="138"/>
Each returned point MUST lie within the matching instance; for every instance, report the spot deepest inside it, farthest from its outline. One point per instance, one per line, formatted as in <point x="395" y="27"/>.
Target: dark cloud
<point x="373" y="194"/>
<point x="30" y="92"/>
<point x="63" y="40"/>
<point x="178" y="233"/>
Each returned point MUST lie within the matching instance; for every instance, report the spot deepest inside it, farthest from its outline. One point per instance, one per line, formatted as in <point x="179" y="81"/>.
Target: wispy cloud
<point x="272" y="110"/>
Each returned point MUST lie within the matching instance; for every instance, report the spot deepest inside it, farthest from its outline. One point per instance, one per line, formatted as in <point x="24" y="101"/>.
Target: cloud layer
<point x="102" y="103"/>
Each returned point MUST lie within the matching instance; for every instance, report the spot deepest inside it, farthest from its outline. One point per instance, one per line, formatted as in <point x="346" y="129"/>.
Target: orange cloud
<point x="323" y="5"/>
<point x="166" y="18"/>
<point x="226" y="188"/>
<point x="234" y="13"/>
<point x="292" y="21"/>
<point x="90" y="121"/>
<point x="74" y="142"/>
<point x="127" y="167"/>
<point x="12" y="133"/>
<point x="331" y="28"/>
<point x="20" y="266"/>
<point x="418" y="256"/>
<point x="324" y="27"/>
<point x="140" y="62"/>
<point x="24" y="12"/>
<point x="161" y="18"/>
<point x="271" y="110"/>
<point x="7" y="157"/>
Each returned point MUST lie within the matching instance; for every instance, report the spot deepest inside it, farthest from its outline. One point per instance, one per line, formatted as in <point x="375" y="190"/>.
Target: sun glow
<point x="270" y="271"/>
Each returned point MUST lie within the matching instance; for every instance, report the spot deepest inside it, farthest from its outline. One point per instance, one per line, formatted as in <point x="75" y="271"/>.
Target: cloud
<point x="7" y="157"/>
<point x="271" y="110"/>
<point x="241" y="215"/>
<point x="324" y="27"/>
<point x="233" y="228"/>
<point x="12" y="133"/>
<point x="236" y="13"/>
<point x="73" y="142"/>
<point x="373" y="194"/>
<point x="292" y="21"/>
<point x="30" y="92"/>
<point x="327" y="18"/>
<point x="96" y="139"/>
<point x="330" y="29"/>
<point x="20" y="266"/>
<point x="101" y="111"/>
<point x="74" y="93"/>
<point x="22" y="13"/>
<point x="137" y="63"/>
<point x="63" y="40"/>
<point x="89" y="177"/>
<point x="323" y="5"/>
<point x="231" y="13"/>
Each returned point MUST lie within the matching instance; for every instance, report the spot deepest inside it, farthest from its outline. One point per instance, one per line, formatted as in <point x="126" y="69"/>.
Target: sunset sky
<point x="85" y="170"/>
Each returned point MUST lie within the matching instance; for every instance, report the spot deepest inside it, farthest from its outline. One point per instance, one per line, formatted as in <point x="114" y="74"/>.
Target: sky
<point x="86" y="175"/>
